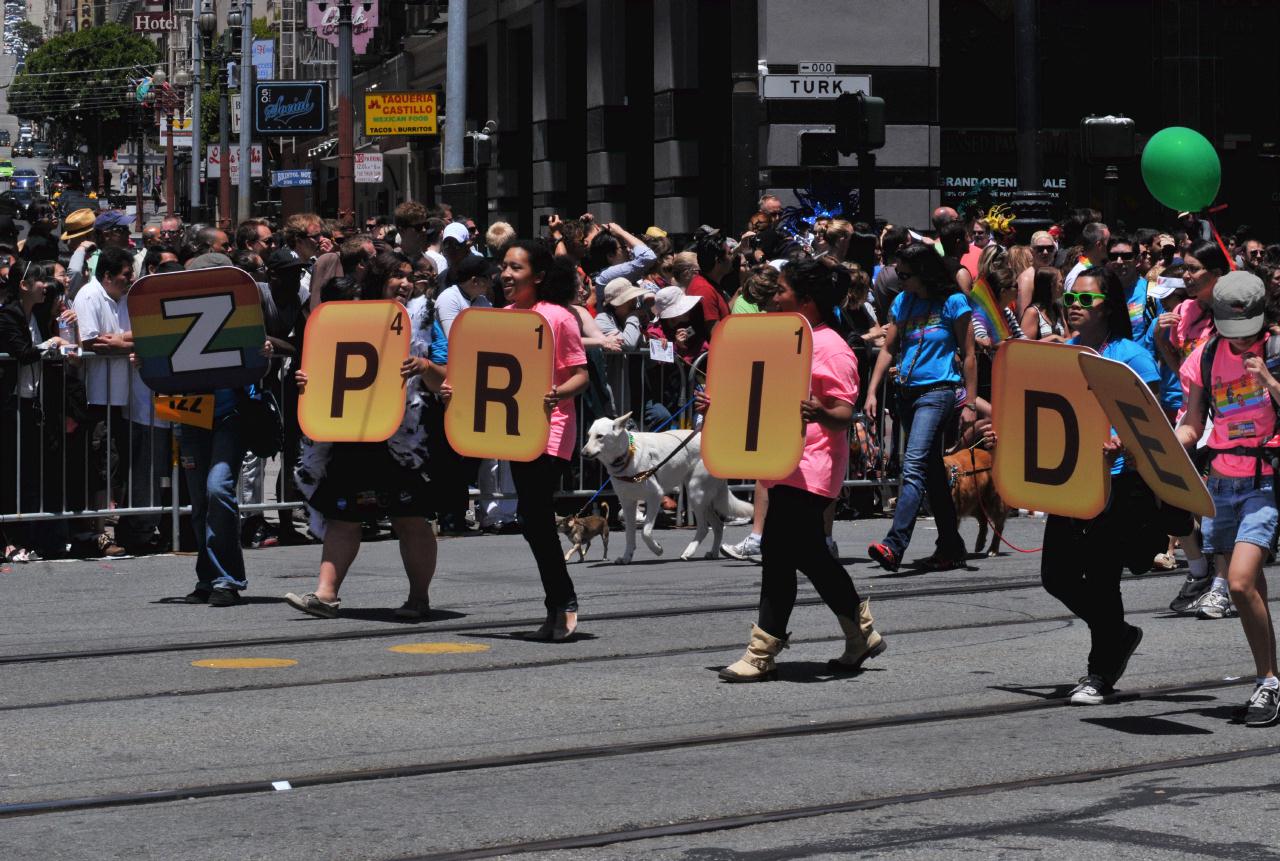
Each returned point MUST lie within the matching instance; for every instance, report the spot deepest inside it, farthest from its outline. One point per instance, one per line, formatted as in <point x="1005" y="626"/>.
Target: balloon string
<point x="1214" y="230"/>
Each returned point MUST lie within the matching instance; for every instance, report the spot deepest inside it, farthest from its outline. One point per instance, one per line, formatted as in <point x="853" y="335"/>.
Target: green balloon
<point x="1181" y="169"/>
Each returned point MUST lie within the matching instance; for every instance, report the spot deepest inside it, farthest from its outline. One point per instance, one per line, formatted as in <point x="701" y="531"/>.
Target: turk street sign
<point x="814" y="86"/>
<point x="290" y="107"/>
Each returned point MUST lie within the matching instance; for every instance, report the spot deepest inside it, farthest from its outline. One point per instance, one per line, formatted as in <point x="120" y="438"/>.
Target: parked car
<point x="40" y="149"/>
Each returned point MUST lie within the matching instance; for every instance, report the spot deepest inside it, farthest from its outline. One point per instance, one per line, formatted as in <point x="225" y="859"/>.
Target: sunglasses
<point x="1253" y="254"/>
<point x="1122" y="255"/>
<point x="1042" y="249"/>
<point x="1084" y="300"/>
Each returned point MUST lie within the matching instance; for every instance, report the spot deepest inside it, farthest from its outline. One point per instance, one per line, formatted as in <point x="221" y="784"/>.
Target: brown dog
<point x="580" y="531"/>
<point x="974" y="492"/>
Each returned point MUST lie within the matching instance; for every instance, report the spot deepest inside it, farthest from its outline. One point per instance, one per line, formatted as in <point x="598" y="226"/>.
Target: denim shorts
<point x="1244" y="513"/>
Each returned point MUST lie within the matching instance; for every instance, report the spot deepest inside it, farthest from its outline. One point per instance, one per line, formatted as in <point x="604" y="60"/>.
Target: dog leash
<point x="648" y="473"/>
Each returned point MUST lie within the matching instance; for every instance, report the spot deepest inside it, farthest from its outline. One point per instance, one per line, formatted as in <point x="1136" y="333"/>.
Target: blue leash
<point x="658" y="429"/>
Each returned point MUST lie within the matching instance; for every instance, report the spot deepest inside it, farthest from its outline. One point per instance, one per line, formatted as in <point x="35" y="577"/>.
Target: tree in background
<point x="29" y="34"/>
<point x="79" y="86"/>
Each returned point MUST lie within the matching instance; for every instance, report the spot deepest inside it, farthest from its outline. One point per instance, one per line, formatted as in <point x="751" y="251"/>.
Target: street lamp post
<point x="346" y="134"/>
<point x="206" y="23"/>
<point x="160" y="80"/>
<point x="224" y="133"/>
<point x="246" y="106"/>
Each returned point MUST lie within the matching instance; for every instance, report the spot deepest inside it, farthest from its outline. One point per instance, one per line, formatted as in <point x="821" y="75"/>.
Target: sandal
<point x="313" y="606"/>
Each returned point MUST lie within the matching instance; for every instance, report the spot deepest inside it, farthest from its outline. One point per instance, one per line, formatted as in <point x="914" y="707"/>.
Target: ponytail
<point x="826" y="286"/>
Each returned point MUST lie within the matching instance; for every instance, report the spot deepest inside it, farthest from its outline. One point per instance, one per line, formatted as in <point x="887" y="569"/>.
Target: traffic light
<point x="859" y="123"/>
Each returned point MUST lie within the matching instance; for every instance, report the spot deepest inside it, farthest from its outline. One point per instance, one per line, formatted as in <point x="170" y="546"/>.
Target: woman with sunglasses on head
<point x="929" y="323"/>
<point x="1083" y="559"/>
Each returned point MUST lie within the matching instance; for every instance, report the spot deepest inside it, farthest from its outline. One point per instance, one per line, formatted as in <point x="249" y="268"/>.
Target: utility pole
<point x="455" y="92"/>
<point x="197" y="149"/>
<point x="346" y="134"/>
<point x="247" y="108"/>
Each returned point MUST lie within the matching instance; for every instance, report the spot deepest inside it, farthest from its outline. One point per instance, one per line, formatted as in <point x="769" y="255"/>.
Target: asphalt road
<point x="457" y="738"/>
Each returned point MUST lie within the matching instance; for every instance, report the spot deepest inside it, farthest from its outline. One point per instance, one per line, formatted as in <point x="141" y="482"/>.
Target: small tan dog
<point x="580" y="531"/>
<point x="974" y="492"/>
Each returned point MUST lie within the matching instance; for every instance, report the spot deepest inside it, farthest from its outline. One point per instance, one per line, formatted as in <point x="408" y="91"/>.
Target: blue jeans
<point x="1244" y="514"/>
<point x="211" y="462"/>
<point x="923" y="417"/>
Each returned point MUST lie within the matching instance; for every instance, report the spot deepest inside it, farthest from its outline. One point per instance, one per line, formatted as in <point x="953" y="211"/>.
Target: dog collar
<point x="621" y="463"/>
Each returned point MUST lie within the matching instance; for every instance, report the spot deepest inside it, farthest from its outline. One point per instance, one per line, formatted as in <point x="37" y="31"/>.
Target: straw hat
<point x="78" y="224"/>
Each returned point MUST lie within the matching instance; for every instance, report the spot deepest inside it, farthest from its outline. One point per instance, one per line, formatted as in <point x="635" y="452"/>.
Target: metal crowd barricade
<point x="73" y="461"/>
<point x="136" y="457"/>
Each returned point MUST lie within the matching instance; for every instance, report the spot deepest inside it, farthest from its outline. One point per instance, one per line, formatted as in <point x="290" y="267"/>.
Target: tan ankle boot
<point x="861" y="640"/>
<point x="757" y="664"/>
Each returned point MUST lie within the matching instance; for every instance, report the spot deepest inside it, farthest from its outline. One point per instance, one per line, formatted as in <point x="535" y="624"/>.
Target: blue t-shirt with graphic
<point x="926" y="330"/>
<point x="1136" y="301"/>
<point x="1137" y="357"/>
<point x="1170" y="392"/>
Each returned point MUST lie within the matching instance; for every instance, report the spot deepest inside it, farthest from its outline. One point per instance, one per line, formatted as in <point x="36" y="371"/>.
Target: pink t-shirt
<point x="1243" y="414"/>
<point x="1195" y="327"/>
<point x="567" y="342"/>
<point x="826" y="451"/>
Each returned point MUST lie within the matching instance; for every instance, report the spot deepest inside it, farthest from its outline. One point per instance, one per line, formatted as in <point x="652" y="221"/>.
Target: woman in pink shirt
<point x="794" y="537"/>
<point x="533" y="279"/>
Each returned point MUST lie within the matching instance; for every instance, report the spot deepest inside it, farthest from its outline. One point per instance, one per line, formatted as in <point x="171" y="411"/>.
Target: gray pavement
<point x="457" y="736"/>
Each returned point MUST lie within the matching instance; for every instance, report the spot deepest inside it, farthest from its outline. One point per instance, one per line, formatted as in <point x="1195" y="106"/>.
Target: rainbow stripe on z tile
<point x="198" y="331"/>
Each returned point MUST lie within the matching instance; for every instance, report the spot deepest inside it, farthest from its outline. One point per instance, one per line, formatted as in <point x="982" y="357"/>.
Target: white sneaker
<point x="1215" y="604"/>
<point x="746" y="550"/>
<point x="1092" y="691"/>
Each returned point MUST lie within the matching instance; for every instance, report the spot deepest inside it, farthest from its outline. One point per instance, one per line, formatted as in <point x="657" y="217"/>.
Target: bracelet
<point x="973" y="407"/>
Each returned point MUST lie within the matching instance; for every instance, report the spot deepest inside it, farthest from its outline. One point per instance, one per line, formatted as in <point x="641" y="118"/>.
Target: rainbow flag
<point x="983" y="300"/>
<point x="197" y="331"/>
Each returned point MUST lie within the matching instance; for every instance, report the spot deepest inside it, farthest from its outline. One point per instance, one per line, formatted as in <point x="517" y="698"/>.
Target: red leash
<point x="997" y="532"/>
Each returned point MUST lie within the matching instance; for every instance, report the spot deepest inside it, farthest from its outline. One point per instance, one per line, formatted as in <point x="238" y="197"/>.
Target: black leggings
<point x="1082" y="563"/>
<point x="536" y="484"/>
<point x="793" y="539"/>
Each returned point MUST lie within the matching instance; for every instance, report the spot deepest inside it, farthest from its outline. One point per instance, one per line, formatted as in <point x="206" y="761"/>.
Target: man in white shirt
<point x="1093" y="241"/>
<point x="103" y="320"/>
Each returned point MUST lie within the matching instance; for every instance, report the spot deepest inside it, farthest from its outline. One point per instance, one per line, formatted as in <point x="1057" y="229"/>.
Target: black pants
<point x="536" y="484"/>
<point x="793" y="539"/>
<point x="1082" y="563"/>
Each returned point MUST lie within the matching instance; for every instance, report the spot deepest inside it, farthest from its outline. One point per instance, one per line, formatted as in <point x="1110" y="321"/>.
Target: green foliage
<point x="81" y="85"/>
<point x="29" y="34"/>
<point x="261" y="29"/>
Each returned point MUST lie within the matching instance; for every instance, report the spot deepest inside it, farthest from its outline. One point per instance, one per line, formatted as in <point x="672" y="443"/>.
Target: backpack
<point x="1271" y="356"/>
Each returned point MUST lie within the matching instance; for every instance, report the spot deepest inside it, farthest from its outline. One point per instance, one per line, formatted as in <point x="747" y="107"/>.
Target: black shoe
<point x="1189" y="594"/>
<point x="1128" y="645"/>
<point x="1264" y="707"/>
<point x="224" y="598"/>
<point x="511" y="527"/>
<point x="199" y="596"/>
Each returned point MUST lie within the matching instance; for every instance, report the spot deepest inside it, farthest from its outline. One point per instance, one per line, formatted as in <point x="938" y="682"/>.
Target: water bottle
<point x="67" y="331"/>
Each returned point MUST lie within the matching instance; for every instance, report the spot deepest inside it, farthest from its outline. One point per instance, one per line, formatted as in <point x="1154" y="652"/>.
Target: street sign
<point x="399" y="113"/>
<point x="155" y="22"/>
<point x="213" y="164"/>
<point x="368" y="167"/>
<point x="820" y="67"/>
<point x="814" y="86"/>
<point x="290" y="108"/>
<point x="290" y="178"/>
<point x="264" y="59"/>
<point x="234" y="110"/>
<point x="181" y="132"/>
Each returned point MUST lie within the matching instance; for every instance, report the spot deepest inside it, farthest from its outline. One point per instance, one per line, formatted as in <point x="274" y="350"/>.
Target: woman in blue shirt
<point x="929" y="321"/>
<point x="1083" y="559"/>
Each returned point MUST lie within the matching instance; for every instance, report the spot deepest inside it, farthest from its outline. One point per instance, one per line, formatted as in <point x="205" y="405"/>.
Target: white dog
<point x="625" y="454"/>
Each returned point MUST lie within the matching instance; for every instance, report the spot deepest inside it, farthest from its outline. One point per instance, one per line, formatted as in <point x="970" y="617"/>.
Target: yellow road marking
<point x="438" y="648"/>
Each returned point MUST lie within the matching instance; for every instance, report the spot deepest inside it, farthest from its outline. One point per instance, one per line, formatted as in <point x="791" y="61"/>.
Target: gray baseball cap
<point x="1239" y="304"/>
